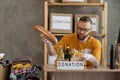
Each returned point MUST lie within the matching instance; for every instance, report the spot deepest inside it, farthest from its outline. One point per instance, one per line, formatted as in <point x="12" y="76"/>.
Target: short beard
<point x="81" y="38"/>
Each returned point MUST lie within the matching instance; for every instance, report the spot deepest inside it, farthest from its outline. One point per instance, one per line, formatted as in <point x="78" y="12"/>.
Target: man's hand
<point x="89" y="57"/>
<point x="50" y="49"/>
<point x="44" y="39"/>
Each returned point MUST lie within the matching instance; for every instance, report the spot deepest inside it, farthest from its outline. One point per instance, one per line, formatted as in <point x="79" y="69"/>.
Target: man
<point x="90" y="46"/>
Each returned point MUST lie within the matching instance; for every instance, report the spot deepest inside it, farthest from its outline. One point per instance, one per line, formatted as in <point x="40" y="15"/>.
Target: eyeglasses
<point x="82" y="29"/>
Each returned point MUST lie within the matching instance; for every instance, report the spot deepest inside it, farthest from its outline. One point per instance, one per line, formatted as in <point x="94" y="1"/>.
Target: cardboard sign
<point x="70" y="65"/>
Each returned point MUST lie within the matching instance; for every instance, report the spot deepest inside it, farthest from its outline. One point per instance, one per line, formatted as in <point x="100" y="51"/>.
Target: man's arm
<point x="96" y="52"/>
<point x="87" y="55"/>
<point x="50" y="48"/>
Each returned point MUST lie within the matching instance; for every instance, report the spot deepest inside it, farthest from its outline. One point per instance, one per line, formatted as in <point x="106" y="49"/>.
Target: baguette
<point x="48" y="34"/>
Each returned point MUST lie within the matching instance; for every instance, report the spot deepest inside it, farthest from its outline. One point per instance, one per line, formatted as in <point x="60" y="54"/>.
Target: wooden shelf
<point x="77" y="4"/>
<point x="52" y="68"/>
<point x="57" y="34"/>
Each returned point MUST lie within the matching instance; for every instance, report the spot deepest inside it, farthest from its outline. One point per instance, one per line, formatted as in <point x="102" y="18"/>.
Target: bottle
<point x="112" y="58"/>
<point x="61" y="53"/>
<point x="67" y="54"/>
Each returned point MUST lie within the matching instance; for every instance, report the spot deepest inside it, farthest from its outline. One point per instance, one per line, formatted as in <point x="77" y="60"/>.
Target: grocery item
<point x="49" y="35"/>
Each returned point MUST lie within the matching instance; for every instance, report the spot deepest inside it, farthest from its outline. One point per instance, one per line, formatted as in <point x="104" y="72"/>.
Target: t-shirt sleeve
<point x="96" y="49"/>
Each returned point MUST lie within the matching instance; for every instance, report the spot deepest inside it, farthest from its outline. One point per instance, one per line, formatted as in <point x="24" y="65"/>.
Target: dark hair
<point x="86" y="19"/>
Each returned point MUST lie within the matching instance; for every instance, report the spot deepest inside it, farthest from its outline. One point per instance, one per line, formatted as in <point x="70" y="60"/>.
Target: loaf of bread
<point x="48" y="34"/>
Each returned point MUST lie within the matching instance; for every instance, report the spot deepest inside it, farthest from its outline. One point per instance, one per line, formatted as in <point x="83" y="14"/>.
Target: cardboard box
<point x="95" y="1"/>
<point x="95" y="20"/>
<point x="4" y="73"/>
<point x="61" y="23"/>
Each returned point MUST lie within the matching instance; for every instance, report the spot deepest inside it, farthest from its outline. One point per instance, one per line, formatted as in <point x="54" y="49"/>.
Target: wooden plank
<point x="95" y="1"/>
<point x="77" y="4"/>
<point x="52" y="68"/>
<point x="46" y="27"/>
<point x="104" y="39"/>
<point x="84" y="76"/>
<point x="65" y="34"/>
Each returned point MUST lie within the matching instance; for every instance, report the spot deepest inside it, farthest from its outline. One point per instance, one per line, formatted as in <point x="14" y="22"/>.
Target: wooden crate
<point x="3" y="72"/>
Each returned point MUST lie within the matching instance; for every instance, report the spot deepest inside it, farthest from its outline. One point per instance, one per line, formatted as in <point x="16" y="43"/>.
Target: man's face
<point x="83" y="29"/>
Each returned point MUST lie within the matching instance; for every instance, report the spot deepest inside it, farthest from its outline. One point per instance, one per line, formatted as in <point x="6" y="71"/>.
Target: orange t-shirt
<point x="73" y="42"/>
